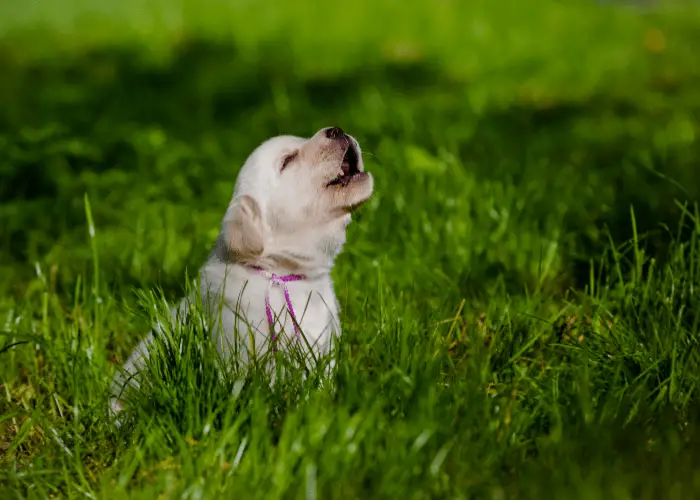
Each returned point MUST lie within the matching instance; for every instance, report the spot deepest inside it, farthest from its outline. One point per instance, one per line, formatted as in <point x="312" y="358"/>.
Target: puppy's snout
<point x="335" y="133"/>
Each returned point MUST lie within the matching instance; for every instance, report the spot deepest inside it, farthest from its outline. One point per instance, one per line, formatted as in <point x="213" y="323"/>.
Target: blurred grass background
<point x="536" y="162"/>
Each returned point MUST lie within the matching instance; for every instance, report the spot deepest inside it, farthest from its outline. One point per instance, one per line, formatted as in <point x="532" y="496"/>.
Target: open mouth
<point x="349" y="167"/>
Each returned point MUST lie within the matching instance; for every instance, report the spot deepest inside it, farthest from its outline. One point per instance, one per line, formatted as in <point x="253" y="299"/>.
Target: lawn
<point x="520" y="299"/>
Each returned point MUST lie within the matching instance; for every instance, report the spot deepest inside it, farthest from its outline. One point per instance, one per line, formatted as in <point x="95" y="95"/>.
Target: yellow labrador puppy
<point x="270" y="267"/>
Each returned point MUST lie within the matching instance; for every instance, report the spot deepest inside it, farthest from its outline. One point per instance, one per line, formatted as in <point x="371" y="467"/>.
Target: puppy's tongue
<point x="345" y="167"/>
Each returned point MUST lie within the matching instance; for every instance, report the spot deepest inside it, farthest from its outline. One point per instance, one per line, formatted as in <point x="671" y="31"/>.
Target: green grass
<point x="521" y="308"/>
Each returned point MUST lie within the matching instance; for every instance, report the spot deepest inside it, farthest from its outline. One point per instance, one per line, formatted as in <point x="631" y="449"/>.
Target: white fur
<point x="285" y="221"/>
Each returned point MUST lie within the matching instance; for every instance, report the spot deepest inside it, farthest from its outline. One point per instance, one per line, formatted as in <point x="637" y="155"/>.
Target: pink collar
<point x="281" y="281"/>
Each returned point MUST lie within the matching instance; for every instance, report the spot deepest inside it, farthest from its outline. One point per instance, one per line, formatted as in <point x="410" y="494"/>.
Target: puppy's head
<point x="293" y="200"/>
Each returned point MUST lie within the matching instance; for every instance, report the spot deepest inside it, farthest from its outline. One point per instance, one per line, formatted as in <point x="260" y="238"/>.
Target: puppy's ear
<point x="242" y="229"/>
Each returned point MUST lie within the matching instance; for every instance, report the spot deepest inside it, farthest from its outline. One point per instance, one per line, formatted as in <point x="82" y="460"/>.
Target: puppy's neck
<point x="310" y="253"/>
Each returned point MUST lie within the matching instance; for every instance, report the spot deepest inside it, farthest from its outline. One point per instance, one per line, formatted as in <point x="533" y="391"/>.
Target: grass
<point x="519" y="300"/>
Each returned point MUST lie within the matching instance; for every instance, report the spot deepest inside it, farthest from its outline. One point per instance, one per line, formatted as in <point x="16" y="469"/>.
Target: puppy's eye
<point x="287" y="160"/>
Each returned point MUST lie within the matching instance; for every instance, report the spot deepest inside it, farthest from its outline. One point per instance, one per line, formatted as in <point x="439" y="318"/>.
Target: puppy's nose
<point x="334" y="133"/>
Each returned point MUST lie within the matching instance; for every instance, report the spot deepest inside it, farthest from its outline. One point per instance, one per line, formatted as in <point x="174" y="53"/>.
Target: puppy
<point x="270" y="267"/>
